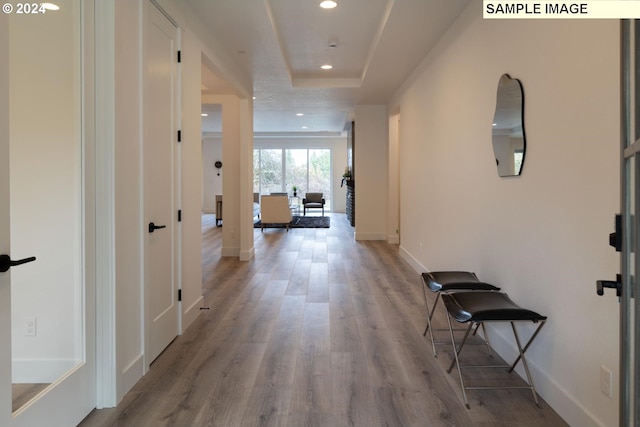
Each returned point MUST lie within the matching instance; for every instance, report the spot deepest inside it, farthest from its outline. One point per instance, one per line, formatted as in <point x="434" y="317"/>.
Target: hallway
<point x="317" y="330"/>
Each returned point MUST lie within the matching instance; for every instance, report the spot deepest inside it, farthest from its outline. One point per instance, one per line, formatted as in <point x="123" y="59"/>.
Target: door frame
<point x="105" y="88"/>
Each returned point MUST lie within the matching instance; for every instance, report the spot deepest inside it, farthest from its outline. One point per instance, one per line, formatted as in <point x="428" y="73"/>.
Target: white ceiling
<point x="281" y="45"/>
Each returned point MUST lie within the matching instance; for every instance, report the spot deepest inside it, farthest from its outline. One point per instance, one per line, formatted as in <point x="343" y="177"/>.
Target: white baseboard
<point x="233" y="252"/>
<point x="555" y="395"/>
<point x="248" y="255"/>
<point x="371" y="236"/>
<point x="208" y="211"/>
<point x="131" y="374"/>
<point x="413" y="262"/>
<point x="191" y="313"/>
<point x="393" y="239"/>
<point x="40" y="371"/>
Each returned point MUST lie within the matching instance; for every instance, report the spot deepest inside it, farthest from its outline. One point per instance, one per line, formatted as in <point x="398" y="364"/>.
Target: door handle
<point x="6" y="263"/>
<point x="611" y="284"/>
<point x="153" y="227"/>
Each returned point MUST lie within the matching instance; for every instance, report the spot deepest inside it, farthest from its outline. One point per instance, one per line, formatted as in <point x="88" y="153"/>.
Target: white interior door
<point x="47" y="329"/>
<point x="160" y="148"/>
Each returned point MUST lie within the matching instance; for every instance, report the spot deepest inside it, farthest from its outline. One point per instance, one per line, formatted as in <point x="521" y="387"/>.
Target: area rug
<point x="301" y="222"/>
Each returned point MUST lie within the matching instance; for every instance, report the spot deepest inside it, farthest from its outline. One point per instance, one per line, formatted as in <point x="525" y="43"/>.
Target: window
<point x="278" y="170"/>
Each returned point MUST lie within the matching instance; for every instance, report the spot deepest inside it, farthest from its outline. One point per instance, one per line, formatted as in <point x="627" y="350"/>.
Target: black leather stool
<point x="479" y="307"/>
<point x="448" y="281"/>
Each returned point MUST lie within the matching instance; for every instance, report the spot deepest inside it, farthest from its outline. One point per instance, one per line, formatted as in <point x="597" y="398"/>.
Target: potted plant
<point x="295" y="191"/>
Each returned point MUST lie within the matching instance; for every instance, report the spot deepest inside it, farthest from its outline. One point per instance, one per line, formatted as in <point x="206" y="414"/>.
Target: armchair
<point x="313" y="200"/>
<point x="275" y="210"/>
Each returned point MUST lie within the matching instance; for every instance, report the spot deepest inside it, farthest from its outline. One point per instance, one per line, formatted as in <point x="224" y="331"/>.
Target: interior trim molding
<point x="106" y="381"/>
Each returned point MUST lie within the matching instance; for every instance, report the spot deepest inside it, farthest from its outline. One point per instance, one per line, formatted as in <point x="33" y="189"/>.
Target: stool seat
<point x="486" y="306"/>
<point x="439" y="281"/>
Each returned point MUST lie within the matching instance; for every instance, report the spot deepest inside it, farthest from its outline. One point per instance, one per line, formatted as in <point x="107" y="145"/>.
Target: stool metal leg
<point x="429" y="312"/>
<point x="524" y="360"/>
<point x="521" y="357"/>
<point x="486" y="337"/>
<point x="542" y="322"/>
<point x="456" y="352"/>
<point x="429" y="328"/>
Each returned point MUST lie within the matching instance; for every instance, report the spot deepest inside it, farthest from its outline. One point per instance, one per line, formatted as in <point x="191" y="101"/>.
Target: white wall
<point x="338" y="147"/>
<point x="371" y="172"/>
<point x="211" y="182"/>
<point x="230" y="158"/>
<point x="543" y="236"/>
<point x="393" y="198"/>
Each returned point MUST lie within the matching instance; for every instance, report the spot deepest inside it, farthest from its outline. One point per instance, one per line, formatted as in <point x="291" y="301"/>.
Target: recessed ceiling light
<point x="304" y="127"/>
<point x="299" y="114"/>
<point x="327" y="67"/>
<point x="50" y="6"/>
<point x="204" y="115"/>
<point x="328" y="4"/>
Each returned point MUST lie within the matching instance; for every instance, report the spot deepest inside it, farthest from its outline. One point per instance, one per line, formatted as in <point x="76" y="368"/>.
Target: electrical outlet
<point x="30" y="326"/>
<point x="606" y="382"/>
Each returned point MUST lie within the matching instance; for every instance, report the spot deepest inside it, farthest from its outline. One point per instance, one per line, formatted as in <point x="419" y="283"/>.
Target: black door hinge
<point x="179" y="136"/>
<point x="179" y="56"/>
<point x="615" y="238"/>
<point x="179" y="215"/>
<point x="179" y="294"/>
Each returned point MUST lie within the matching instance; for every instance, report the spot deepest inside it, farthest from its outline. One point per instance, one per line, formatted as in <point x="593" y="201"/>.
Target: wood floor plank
<point x="317" y="330"/>
<point x="318" y="290"/>
<point x="353" y="397"/>
<point x="268" y="406"/>
<point x="345" y="336"/>
<point x="299" y="280"/>
<point x="278" y="363"/>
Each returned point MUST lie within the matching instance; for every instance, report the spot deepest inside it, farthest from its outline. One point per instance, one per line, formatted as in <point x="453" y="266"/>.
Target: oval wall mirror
<point x="508" y="137"/>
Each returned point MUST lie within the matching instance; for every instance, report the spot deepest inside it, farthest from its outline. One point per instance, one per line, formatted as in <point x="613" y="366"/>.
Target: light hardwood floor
<point x="317" y="330"/>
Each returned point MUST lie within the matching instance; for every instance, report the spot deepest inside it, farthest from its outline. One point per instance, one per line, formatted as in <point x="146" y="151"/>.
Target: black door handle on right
<point x="153" y="227"/>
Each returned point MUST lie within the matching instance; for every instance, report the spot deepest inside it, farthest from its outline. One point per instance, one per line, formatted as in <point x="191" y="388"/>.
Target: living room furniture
<point x="448" y="281"/>
<point x="294" y="205"/>
<point x="489" y="306"/>
<point x="274" y="209"/>
<point x="313" y="201"/>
